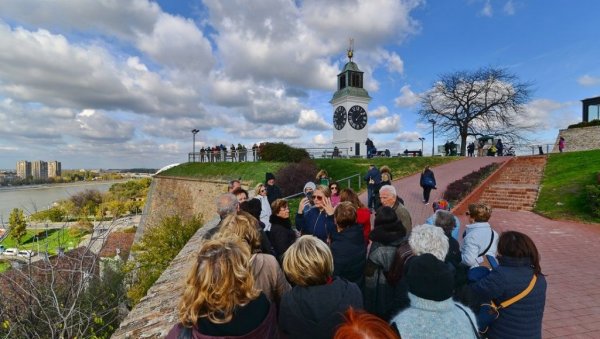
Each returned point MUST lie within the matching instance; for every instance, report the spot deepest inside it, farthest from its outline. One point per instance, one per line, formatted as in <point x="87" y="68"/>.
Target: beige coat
<point x="269" y="277"/>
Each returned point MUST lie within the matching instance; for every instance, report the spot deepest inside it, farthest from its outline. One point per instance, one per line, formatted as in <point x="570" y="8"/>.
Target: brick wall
<point x="579" y="139"/>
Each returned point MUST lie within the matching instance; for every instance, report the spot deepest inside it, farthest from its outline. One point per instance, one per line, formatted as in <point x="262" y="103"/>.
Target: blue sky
<point x="106" y="84"/>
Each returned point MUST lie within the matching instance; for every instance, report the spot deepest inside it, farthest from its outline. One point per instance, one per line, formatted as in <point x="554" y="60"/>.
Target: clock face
<point x="357" y="117"/>
<point x="339" y="117"/>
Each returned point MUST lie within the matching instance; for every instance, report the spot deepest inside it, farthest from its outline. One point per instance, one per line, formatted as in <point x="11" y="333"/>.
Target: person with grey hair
<point x="429" y="239"/>
<point x="446" y="221"/>
<point x="389" y="198"/>
<point x="226" y="204"/>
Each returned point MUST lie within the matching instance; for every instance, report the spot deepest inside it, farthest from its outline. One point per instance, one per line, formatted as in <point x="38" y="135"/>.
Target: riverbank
<point x="60" y="185"/>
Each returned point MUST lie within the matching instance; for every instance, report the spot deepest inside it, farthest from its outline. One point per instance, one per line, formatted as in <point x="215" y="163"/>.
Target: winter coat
<point x="403" y="215"/>
<point x="381" y="298"/>
<point x="374" y="174"/>
<point x="476" y="240"/>
<point x="265" y="211"/>
<point x="349" y="254"/>
<point x="363" y="217"/>
<point x="266" y="330"/>
<point x="427" y="179"/>
<point x="315" y="311"/>
<point x="281" y="236"/>
<point x="316" y="223"/>
<point x="268" y="276"/>
<point x="522" y="319"/>
<point x="435" y="319"/>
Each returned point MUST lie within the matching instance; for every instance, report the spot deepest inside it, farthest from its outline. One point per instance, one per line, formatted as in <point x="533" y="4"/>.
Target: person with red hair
<point x="363" y="325"/>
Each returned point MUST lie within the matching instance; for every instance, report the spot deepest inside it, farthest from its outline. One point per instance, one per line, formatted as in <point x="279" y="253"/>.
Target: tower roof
<point x="351" y="66"/>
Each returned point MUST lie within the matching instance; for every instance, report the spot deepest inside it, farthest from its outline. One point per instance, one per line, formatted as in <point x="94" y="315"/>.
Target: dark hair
<point x="518" y="245"/>
<point x="252" y="206"/>
<point x="347" y="194"/>
<point x="344" y="214"/>
<point x="239" y="191"/>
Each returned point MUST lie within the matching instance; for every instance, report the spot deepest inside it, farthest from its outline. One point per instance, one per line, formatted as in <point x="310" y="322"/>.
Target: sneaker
<point x="427" y="203"/>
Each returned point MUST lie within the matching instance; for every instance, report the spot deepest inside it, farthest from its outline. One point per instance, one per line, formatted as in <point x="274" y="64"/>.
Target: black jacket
<point x="315" y="311"/>
<point x="349" y="254"/>
<point x="281" y="235"/>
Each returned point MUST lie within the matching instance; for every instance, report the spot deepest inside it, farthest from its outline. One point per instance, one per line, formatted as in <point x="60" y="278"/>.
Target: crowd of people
<point x="332" y="274"/>
<point x="233" y="153"/>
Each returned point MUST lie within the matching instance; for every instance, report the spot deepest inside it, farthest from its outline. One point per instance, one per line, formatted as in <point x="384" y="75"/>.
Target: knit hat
<point x="269" y="176"/>
<point x="388" y="228"/>
<point x="441" y="205"/>
<point x="430" y="278"/>
<point x="310" y="185"/>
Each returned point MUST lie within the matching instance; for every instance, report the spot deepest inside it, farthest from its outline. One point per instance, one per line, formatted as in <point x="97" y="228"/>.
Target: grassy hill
<point x="563" y="187"/>
<point x="254" y="172"/>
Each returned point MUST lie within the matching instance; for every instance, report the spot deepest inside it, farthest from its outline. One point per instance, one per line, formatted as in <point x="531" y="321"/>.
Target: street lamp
<point x="432" y="136"/>
<point x="194" y="131"/>
<point x="422" y="139"/>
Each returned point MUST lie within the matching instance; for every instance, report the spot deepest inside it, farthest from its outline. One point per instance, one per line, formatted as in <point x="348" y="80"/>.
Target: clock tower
<point x="350" y="110"/>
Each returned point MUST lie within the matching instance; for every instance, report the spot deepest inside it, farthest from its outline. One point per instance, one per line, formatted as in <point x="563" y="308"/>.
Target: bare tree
<point x="487" y="101"/>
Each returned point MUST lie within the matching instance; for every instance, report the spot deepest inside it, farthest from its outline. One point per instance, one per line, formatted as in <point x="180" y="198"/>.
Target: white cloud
<point x="408" y="136"/>
<point x="311" y="120"/>
<point x="98" y="127"/>
<point x="588" y="80"/>
<point x="487" y="9"/>
<point x="407" y="97"/>
<point x="543" y="114"/>
<point x="509" y="7"/>
<point x="379" y="112"/>
<point x="320" y="139"/>
<point x="386" y="125"/>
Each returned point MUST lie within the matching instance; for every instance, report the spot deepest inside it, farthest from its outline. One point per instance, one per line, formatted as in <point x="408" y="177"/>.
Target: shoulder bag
<point x="490" y="312"/>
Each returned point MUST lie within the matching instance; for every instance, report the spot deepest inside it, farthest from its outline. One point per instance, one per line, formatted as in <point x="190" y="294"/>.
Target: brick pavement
<point x="568" y="253"/>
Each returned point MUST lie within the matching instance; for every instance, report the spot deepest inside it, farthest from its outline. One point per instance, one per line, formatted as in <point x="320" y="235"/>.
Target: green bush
<point x="281" y="152"/>
<point x="54" y="214"/>
<point x="593" y="198"/>
<point x="155" y="251"/>
<point x="459" y="189"/>
<point x="595" y="122"/>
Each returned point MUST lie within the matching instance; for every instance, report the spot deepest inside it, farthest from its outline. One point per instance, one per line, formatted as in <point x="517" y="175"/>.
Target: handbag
<point x="490" y="312"/>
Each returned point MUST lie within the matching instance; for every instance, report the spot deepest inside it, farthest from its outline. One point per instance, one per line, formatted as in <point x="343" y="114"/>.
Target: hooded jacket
<point x="349" y="253"/>
<point x="315" y="311"/>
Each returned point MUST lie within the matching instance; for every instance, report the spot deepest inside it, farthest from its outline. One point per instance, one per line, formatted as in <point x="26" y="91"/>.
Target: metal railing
<point x="328" y="152"/>
<point x="224" y="156"/>
<point x="348" y="181"/>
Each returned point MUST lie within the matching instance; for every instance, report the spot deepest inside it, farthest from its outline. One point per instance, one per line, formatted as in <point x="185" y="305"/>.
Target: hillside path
<point x="568" y="252"/>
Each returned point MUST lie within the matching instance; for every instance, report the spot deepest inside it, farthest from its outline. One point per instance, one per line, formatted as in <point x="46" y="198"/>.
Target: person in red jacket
<point x="363" y="214"/>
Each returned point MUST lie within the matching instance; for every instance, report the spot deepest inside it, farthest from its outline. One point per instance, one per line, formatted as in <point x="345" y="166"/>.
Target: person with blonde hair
<point x="479" y="239"/>
<point x="314" y="307"/>
<point x="267" y="274"/>
<point x="322" y="178"/>
<point x="220" y="298"/>
<point x="260" y="192"/>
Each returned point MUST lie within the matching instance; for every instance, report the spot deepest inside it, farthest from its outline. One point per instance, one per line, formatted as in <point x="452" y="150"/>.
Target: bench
<point x="413" y="153"/>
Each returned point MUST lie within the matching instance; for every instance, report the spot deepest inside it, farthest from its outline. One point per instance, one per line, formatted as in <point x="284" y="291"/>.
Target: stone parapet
<point x="579" y="139"/>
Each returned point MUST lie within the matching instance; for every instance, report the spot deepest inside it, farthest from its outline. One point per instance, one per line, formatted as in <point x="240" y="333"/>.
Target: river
<point x="40" y="197"/>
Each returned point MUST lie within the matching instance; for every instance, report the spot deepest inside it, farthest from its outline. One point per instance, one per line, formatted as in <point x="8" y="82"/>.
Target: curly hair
<point x="218" y="282"/>
<point x="429" y="239"/>
<point x="480" y="212"/>
<point x="242" y="225"/>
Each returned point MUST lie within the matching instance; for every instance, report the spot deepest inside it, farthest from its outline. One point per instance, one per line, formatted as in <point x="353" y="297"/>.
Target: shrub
<point x="80" y="228"/>
<point x="54" y="214"/>
<point x="593" y="198"/>
<point x="155" y="251"/>
<point x="595" y="122"/>
<point x="291" y="178"/>
<point x="281" y="152"/>
<point x="460" y="188"/>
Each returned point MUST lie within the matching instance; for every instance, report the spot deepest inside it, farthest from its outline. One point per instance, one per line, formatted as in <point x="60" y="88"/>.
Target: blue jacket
<point x="316" y="222"/>
<point x="374" y="174"/>
<point x="522" y="319"/>
<point x="349" y="254"/>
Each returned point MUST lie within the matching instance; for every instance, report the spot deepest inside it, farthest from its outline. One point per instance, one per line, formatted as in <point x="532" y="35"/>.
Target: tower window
<point x="342" y="83"/>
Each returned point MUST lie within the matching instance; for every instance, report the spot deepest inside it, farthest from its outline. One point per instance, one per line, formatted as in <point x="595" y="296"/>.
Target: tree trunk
<point x="463" y="144"/>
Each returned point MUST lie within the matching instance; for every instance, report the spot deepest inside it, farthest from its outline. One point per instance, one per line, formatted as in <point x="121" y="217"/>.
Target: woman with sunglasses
<point x="317" y="221"/>
<point x="265" y="212"/>
<point x="335" y="193"/>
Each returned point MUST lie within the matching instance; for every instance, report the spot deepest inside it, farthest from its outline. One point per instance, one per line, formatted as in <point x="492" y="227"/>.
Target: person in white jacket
<point x="265" y="213"/>
<point x="479" y="239"/>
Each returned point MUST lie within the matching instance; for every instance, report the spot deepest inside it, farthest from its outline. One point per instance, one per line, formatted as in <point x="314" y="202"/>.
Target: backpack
<point x="401" y="255"/>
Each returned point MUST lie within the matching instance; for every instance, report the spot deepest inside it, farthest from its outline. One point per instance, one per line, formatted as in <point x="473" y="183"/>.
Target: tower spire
<point x="351" y="49"/>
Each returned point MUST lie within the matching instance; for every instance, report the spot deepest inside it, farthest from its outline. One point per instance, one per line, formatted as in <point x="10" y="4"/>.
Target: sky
<point x="121" y="84"/>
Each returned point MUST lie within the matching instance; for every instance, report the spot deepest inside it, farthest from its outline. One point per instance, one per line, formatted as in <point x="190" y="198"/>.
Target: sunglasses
<point x="319" y="197"/>
<point x="262" y="191"/>
<point x="333" y="187"/>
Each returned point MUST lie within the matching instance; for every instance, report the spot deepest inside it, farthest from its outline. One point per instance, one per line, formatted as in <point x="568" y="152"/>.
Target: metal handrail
<point x="349" y="179"/>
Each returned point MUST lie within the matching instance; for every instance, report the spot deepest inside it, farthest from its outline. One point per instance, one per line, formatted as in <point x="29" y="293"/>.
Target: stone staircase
<point x="518" y="185"/>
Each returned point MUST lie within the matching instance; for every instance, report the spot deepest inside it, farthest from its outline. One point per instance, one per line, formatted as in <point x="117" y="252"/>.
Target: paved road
<point x="568" y="250"/>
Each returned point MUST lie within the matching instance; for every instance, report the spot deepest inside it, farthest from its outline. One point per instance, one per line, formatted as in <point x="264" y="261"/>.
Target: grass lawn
<point x="563" y="186"/>
<point x="56" y="238"/>
<point x="4" y="265"/>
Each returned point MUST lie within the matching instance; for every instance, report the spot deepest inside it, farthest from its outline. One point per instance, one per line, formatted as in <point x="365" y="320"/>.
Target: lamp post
<point x="432" y="136"/>
<point x="194" y="131"/>
<point x="422" y="139"/>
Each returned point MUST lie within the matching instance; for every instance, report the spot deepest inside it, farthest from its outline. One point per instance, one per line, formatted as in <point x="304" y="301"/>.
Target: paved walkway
<point x="569" y="253"/>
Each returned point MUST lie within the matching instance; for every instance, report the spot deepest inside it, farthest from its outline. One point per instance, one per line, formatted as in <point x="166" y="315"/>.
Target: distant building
<point x="591" y="109"/>
<point x="39" y="169"/>
<point x="54" y="169"/>
<point x="23" y="169"/>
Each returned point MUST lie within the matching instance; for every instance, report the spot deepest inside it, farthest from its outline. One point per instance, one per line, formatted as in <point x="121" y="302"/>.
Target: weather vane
<point x="351" y="49"/>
